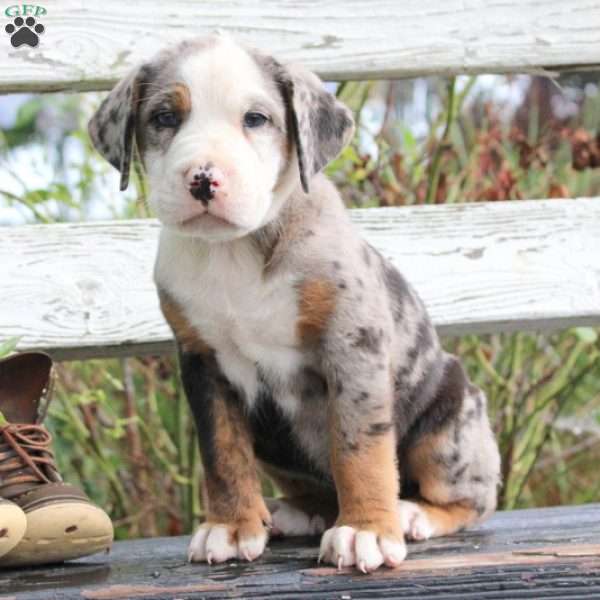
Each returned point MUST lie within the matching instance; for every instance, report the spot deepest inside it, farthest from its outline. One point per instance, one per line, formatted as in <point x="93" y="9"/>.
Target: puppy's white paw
<point x="287" y="520"/>
<point x="217" y="542"/>
<point x="414" y="521"/>
<point x="345" y="546"/>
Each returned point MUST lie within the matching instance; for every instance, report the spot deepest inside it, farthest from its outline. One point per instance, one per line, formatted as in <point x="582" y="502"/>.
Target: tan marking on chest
<point x="316" y="305"/>
<point x="187" y="336"/>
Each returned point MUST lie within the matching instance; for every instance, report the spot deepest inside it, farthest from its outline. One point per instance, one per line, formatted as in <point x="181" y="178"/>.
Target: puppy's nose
<point x="203" y="182"/>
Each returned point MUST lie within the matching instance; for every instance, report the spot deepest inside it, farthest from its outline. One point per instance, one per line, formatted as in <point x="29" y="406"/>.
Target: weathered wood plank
<point x="537" y="554"/>
<point x="88" y="46"/>
<point x="83" y="290"/>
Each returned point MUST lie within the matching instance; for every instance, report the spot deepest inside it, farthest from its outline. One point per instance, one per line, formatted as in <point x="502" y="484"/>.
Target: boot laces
<point x="25" y="454"/>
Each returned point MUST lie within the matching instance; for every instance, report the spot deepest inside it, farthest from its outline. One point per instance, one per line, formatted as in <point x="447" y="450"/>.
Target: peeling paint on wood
<point x="85" y="289"/>
<point x="88" y="46"/>
<point x="125" y="592"/>
<point x="467" y="562"/>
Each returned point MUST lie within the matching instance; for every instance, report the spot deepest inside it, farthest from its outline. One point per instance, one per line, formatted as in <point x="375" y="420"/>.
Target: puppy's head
<point x="224" y="133"/>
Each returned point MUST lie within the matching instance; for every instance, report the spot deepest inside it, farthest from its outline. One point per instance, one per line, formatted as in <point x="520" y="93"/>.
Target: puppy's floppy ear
<point x="318" y="122"/>
<point x="112" y="128"/>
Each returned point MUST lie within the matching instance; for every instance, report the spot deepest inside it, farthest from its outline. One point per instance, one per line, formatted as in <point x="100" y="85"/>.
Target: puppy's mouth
<point x="206" y="219"/>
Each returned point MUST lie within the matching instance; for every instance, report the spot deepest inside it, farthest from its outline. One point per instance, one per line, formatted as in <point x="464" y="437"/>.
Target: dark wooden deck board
<point x="538" y="554"/>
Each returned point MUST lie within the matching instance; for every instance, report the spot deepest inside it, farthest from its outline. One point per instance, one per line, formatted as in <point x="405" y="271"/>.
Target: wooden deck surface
<point x="543" y="553"/>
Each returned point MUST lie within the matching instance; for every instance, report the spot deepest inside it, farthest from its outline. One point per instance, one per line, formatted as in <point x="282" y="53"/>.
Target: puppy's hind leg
<point x="306" y="508"/>
<point x="458" y="471"/>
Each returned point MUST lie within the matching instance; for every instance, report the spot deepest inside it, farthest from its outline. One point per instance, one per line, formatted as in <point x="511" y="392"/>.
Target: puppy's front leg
<point x="367" y="532"/>
<point x="235" y="510"/>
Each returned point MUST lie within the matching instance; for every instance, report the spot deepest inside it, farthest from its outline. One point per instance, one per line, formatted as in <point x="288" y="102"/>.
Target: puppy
<point x="303" y="352"/>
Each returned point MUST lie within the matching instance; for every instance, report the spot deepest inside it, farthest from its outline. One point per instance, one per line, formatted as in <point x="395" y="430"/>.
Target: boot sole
<point x="59" y="532"/>
<point x="12" y="527"/>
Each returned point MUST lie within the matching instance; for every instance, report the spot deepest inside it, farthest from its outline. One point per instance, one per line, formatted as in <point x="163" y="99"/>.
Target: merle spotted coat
<point x="304" y="353"/>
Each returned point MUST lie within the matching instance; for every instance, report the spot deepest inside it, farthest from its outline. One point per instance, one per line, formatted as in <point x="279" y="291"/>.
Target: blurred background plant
<point x="122" y="428"/>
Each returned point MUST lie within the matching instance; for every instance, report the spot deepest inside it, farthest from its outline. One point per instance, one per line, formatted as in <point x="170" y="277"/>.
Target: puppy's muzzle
<point x="203" y="182"/>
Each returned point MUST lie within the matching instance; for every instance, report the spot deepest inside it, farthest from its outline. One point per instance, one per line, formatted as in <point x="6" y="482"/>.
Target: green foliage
<point x="24" y="128"/>
<point x="472" y="153"/>
<point x="123" y="431"/>
<point x="8" y="346"/>
<point x="55" y="127"/>
<point x="531" y="381"/>
<point x="122" y="427"/>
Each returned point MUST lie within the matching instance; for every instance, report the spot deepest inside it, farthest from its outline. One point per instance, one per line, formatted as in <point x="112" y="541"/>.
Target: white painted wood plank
<point x="497" y="266"/>
<point x="89" y="45"/>
<point x="83" y="290"/>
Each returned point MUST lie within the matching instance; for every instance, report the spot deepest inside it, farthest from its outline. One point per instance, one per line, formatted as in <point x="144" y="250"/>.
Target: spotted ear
<point x="320" y="125"/>
<point x="112" y="128"/>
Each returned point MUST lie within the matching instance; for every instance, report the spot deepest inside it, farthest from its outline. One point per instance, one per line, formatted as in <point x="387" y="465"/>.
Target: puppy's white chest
<point x="249" y="322"/>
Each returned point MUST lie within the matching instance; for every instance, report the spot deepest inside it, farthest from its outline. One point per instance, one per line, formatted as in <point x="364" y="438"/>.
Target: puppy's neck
<point x="292" y="224"/>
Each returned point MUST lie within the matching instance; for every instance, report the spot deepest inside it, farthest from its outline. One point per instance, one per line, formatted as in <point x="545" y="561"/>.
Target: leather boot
<point x="62" y="523"/>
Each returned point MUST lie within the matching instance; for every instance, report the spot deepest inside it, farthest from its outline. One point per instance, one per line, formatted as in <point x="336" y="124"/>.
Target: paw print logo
<point x="24" y="31"/>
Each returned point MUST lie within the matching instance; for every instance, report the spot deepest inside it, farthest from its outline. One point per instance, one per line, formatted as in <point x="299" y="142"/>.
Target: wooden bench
<point x="85" y="290"/>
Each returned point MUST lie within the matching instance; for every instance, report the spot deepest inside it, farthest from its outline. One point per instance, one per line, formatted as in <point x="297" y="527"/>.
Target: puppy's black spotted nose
<point x="201" y="189"/>
<point x="203" y="183"/>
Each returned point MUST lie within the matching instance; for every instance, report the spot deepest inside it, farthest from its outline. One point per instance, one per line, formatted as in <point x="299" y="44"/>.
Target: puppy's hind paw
<point x="287" y="520"/>
<point x="414" y="521"/>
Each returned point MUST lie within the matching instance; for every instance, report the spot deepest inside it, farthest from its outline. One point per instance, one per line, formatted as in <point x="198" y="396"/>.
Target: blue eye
<point x="166" y="119"/>
<point x="254" y="119"/>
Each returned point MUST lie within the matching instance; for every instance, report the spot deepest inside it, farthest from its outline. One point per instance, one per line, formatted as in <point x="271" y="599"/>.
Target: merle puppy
<point x="304" y="353"/>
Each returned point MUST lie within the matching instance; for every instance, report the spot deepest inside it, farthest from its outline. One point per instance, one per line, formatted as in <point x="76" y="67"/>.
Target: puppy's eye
<point x="166" y="119"/>
<point x="254" y="119"/>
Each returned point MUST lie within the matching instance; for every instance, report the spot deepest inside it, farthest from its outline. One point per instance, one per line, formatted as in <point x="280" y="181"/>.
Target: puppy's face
<point x="224" y="134"/>
<point x="213" y="138"/>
